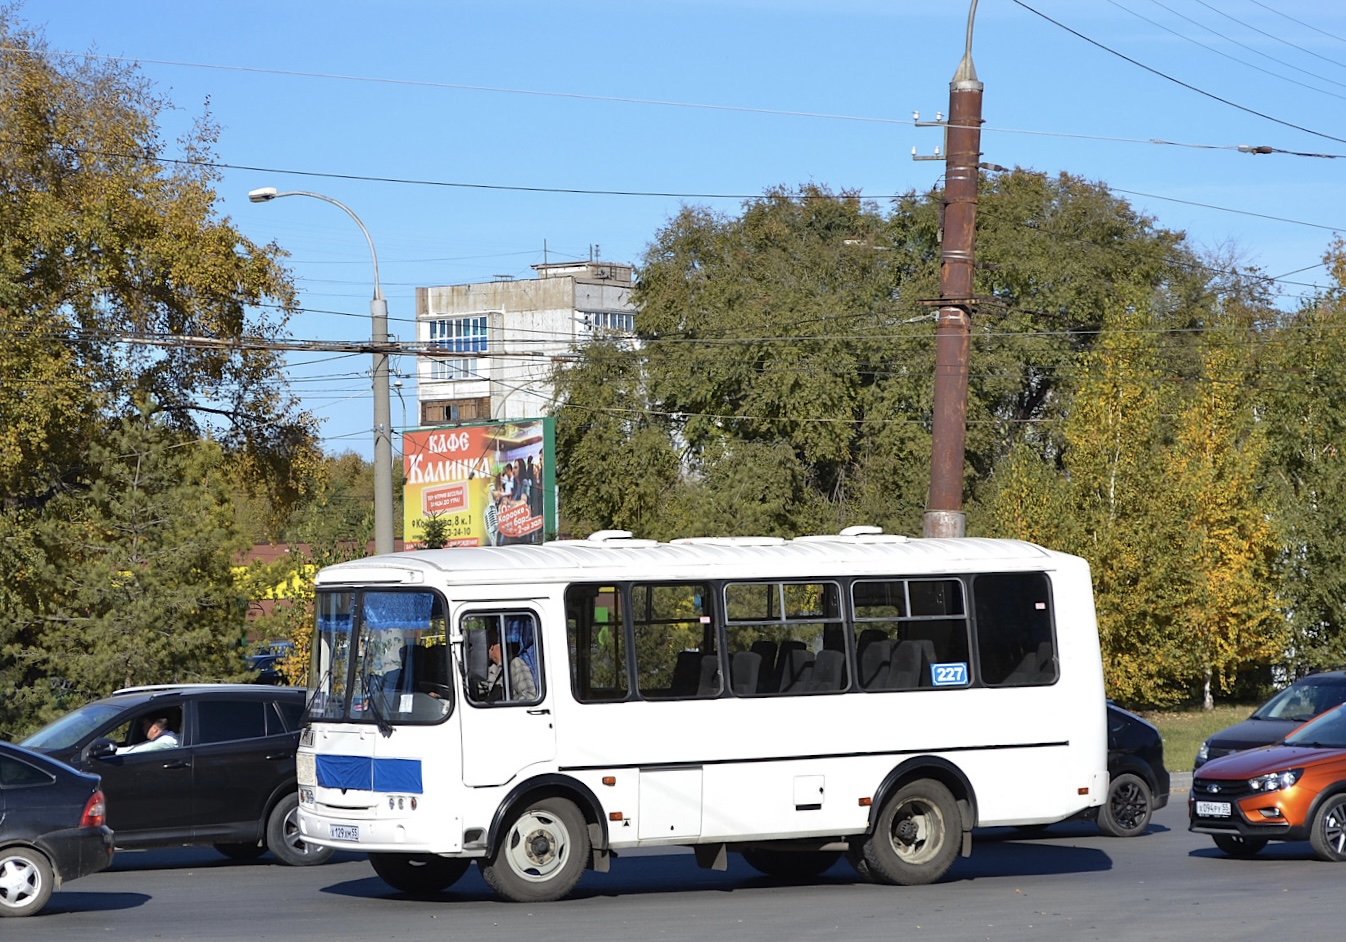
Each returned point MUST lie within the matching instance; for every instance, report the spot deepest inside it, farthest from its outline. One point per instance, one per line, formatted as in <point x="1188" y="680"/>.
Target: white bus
<point x="539" y="709"/>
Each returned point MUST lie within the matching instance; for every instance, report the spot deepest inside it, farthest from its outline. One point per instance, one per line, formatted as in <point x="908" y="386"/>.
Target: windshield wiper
<point x="380" y="720"/>
<point x="317" y="689"/>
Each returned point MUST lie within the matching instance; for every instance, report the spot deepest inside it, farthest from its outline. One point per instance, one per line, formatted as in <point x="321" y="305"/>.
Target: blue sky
<point x="432" y="119"/>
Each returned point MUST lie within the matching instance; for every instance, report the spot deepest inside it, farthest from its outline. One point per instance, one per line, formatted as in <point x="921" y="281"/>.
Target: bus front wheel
<point x="916" y="836"/>
<point x="542" y="853"/>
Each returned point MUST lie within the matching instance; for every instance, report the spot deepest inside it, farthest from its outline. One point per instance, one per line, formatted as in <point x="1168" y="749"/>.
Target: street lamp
<point x="378" y="315"/>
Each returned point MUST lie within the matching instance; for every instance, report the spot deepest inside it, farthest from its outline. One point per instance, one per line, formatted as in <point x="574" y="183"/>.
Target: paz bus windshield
<point x="381" y="656"/>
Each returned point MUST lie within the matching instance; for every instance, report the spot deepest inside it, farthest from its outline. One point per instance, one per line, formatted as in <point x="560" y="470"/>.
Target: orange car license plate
<point x="1213" y="809"/>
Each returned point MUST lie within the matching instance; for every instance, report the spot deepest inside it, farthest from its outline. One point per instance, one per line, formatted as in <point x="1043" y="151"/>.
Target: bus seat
<point x="911" y="664"/>
<point x="875" y="661"/>
<point x="798" y="672"/>
<point x="686" y="674"/>
<point x="709" y="683"/>
<point x="744" y="667"/>
<point x="868" y="637"/>
<point x="783" y="661"/>
<point x="766" y="677"/>
<point x="829" y="671"/>
<point x="1035" y="667"/>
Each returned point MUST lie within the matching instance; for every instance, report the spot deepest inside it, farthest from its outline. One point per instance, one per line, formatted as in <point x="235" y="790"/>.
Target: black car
<point x="266" y="668"/>
<point x="1298" y="703"/>
<point x="1140" y="782"/>
<point x="223" y="773"/>
<point x="52" y="828"/>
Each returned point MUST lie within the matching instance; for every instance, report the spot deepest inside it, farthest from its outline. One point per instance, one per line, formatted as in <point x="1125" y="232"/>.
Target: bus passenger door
<point x="506" y="717"/>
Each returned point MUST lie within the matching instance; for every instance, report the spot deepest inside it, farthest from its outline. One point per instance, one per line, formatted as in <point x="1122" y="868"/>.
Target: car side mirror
<point x="102" y="748"/>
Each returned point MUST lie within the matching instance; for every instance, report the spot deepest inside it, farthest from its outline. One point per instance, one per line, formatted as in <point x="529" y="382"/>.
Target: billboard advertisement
<point x="489" y="484"/>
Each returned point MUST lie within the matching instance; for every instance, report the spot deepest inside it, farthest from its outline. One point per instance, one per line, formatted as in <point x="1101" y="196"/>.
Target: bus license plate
<point x="1212" y="809"/>
<point x="345" y="832"/>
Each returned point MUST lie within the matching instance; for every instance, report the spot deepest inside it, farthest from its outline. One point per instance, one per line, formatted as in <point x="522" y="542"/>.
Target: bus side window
<point x="785" y="638"/>
<point x="596" y="643"/>
<point x="502" y="658"/>
<point x="1015" y="642"/>
<point x="675" y="643"/>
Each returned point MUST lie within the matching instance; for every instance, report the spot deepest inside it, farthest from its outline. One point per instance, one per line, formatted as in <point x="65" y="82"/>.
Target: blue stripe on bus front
<point x="366" y="774"/>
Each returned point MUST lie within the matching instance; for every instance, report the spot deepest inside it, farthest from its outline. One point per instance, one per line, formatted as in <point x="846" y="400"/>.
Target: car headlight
<point x="1203" y="753"/>
<point x="1275" y="781"/>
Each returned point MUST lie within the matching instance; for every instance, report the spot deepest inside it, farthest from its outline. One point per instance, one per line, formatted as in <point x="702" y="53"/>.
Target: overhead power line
<point x="667" y="103"/>
<point x="1300" y="22"/>
<point x="1177" y="81"/>
<point x="1230" y="39"/>
<point x="1284" y="42"/>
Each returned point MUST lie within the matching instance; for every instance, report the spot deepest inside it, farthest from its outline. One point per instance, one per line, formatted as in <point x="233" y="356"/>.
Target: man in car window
<point x="157" y="736"/>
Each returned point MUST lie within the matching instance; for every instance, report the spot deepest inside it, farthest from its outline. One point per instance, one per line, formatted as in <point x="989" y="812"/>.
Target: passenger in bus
<point x="521" y="683"/>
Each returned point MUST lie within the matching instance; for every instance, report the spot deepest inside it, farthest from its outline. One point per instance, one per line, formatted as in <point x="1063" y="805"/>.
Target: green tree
<point x="1230" y="617"/>
<point x="1124" y="508"/>
<point x="1302" y="398"/>
<point x="786" y="354"/>
<point x="134" y="580"/>
<point x="106" y="235"/>
<point x="620" y="466"/>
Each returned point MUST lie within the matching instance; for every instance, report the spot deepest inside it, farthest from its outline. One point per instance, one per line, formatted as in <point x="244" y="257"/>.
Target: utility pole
<point x="944" y="515"/>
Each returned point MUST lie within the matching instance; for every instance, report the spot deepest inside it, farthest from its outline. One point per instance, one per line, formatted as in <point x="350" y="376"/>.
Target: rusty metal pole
<point x="944" y="515"/>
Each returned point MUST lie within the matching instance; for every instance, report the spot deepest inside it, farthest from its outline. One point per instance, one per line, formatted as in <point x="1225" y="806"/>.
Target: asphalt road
<point x="1070" y="884"/>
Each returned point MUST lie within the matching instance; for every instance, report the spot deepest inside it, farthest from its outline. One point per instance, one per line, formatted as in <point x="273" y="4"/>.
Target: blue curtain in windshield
<point x="334" y="623"/>
<point x="398" y="611"/>
<point x="519" y="636"/>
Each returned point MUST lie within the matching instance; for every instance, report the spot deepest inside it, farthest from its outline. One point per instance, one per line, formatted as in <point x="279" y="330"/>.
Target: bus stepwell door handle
<point x="543" y="711"/>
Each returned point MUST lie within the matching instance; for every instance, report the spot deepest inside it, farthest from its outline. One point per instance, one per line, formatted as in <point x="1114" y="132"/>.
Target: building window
<point x="598" y="323"/>
<point x="453" y="411"/>
<point x="457" y="335"/>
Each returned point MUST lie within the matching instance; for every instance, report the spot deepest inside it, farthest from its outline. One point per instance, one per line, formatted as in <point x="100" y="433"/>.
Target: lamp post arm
<point x="378" y="289"/>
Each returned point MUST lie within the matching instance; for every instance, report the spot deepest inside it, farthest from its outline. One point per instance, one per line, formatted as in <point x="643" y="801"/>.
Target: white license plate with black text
<point x="1213" y="809"/>
<point x="345" y="832"/>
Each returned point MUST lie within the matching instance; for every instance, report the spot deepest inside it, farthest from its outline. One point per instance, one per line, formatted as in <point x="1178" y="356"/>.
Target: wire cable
<point x="1176" y="81"/>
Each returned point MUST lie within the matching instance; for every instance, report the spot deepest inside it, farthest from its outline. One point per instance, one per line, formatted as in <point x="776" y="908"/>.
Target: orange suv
<point x="1294" y="790"/>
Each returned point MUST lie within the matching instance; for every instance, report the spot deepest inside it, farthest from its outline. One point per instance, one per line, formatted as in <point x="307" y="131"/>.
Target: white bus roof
<point x="618" y="556"/>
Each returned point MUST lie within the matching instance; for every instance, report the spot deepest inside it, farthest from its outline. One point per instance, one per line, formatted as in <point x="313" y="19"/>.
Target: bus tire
<point x="791" y="864"/>
<point x="916" y="836"/>
<point x="855" y="856"/>
<point x="419" y="874"/>
<point x="284" y="840"/>
<point x="541" y="855"/>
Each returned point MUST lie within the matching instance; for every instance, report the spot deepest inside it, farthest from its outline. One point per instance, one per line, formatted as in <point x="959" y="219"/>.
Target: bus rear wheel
<point x="791" y="864"/>
<point x="916" y="836"/>
<point x="541" y="855"/>
<point x="419" y="874"/>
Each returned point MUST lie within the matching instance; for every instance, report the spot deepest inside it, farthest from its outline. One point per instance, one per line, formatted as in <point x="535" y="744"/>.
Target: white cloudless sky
<point x="442" y="123"/>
